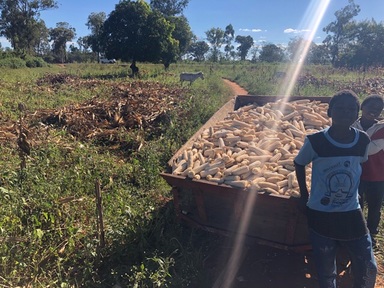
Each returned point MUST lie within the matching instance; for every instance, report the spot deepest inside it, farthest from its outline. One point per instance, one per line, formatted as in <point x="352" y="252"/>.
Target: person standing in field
<point x="371" y="189"/>
<point x="335" y="218"/>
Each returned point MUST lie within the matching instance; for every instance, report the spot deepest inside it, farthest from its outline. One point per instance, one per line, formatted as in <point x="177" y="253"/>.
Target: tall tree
<point x="254" y="53"/>
<point x="198" y="50"/>
<point x="83" y="43"/>
<point x="159" y="43"/>
<point x="271" y="53"/>
<point x="246" y="42"/>
<point x="95" y="23"/>
<point x="366" y="45"/>
<point x="133" y="32"/>
<point x="319" y="55"/>
<point x="294" y="46"/>
<point x="169" y="7"/>
<point x="182" y="33"/>
<point x="295" y="51"/>
<point x="20" y="22"/>
<point x="172" y="10"/>
<point x="338" y="31"/>
<point x="215" y="36"/>
<point x="229" y="34"/>
<point x="60" y="36"/>
<point x="41" y="45"/>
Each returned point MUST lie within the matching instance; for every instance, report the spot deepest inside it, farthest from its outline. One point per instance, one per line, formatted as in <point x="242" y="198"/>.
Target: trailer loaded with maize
<point x="237" y="169"/>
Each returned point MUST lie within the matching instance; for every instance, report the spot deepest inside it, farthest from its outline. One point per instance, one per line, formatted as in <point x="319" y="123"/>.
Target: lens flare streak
<point x="311" y="19"/>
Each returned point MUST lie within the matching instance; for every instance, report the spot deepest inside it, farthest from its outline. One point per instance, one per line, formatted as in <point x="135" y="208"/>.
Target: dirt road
<point x="237" y="90"/>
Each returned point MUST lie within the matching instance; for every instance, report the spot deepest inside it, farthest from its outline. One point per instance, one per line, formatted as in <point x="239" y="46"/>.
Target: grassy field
<point x="91" y="130"/>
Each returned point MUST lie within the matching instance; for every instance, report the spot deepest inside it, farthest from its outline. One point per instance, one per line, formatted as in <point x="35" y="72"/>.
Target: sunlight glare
<point x="311" y="20"/>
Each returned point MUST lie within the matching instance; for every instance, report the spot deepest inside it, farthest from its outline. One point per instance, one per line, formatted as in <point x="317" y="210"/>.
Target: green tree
<point x="182" y="33"/>
<point x="160" y="45"/>
<point x="215" y="36"/>
<point x="83" y="43"/>
<point x="254" y="53"/>
<point x="319" y="55"/>
<point x="169" y="7"/>
<point x="315" y="55"/>
<point x="42" y="46"/>
<point x="133" y="32"/>
<point x="366" y="45"/>
<point x="95" y="24"/>
<point x="229" y="34"/>
<point x="271" y="53"/>
<point x="295" y="45"/>
<point x="60" y="36"/>
<point x="339" y="31"/>
<point x="20" y="22"/>
<point x="246" y="42"/>
<point x="198" y="49"/>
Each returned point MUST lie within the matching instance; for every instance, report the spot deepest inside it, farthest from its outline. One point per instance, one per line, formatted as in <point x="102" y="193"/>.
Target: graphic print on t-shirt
<point x="339" y="184"/>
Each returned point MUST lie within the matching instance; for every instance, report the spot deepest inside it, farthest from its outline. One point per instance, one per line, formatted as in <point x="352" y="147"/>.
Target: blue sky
<point x="267" y="21"/>
<point x="271" y="21"/>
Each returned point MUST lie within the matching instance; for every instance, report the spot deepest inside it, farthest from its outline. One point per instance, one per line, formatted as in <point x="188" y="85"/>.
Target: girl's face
<point x="371" y="110"/>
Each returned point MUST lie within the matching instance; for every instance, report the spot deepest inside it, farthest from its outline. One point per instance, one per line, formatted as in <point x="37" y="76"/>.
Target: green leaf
<point x="39" y="233"/>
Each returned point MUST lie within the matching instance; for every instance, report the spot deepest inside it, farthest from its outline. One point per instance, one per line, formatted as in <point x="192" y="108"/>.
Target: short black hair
<point x="373" y="98"/>
<point x="343" y="94"/>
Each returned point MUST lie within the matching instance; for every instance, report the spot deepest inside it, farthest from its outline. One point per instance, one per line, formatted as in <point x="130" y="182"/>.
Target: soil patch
<point x="236" y="89"/>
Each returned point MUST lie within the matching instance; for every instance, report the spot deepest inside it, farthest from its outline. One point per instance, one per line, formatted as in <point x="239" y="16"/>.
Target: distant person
<point x="335" y="218"/>
<point x="371" y="189"/>
<point x="135" y="69"/>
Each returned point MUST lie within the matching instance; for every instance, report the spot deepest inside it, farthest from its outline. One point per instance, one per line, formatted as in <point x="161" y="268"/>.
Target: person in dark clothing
<point x="335" y="218"/>
<point x="371" y="189"/>
<point x="135" y="69"/>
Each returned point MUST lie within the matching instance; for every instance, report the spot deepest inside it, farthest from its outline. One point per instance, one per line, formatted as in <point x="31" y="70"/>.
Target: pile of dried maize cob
<point x="254" y="146"/>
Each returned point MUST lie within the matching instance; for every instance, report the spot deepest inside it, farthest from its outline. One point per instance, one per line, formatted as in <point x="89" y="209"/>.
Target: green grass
<point x="48" y="222"/>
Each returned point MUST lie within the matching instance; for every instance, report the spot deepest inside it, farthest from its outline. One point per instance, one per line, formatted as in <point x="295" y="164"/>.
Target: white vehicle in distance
<point x="107" y="61"/>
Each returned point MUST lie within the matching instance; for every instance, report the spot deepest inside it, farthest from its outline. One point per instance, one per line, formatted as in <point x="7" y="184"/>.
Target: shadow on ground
<point x="267" y="267"/>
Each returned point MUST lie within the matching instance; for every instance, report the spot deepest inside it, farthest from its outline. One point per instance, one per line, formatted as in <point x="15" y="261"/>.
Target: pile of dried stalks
<point x="139" y="106"/>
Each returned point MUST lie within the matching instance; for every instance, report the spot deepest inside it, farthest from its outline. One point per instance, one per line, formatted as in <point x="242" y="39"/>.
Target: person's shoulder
<point x="317" y="134"/>
<point x="320" y="132"/>
<point x="357" y="124"/>
<point x="361" y="132"/>
<point x="379" y="125"/>
<point x="363" y="136"/>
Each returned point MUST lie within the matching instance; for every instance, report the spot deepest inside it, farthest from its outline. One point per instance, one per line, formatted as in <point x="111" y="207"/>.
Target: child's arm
<point x="305" y="156"/>
<point x="301" y="180"/>
<point x="300" y="175"/>
<point x="377" y="139"/>
<point x="375" y="146"/>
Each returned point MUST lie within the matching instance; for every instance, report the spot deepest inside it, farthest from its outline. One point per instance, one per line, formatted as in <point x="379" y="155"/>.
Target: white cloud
<point x="250" y="30"/>
<point x="295" y="31"/>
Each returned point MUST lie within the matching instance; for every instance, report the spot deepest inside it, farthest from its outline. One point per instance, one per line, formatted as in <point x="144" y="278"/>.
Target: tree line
<point x="158" y="32"/>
